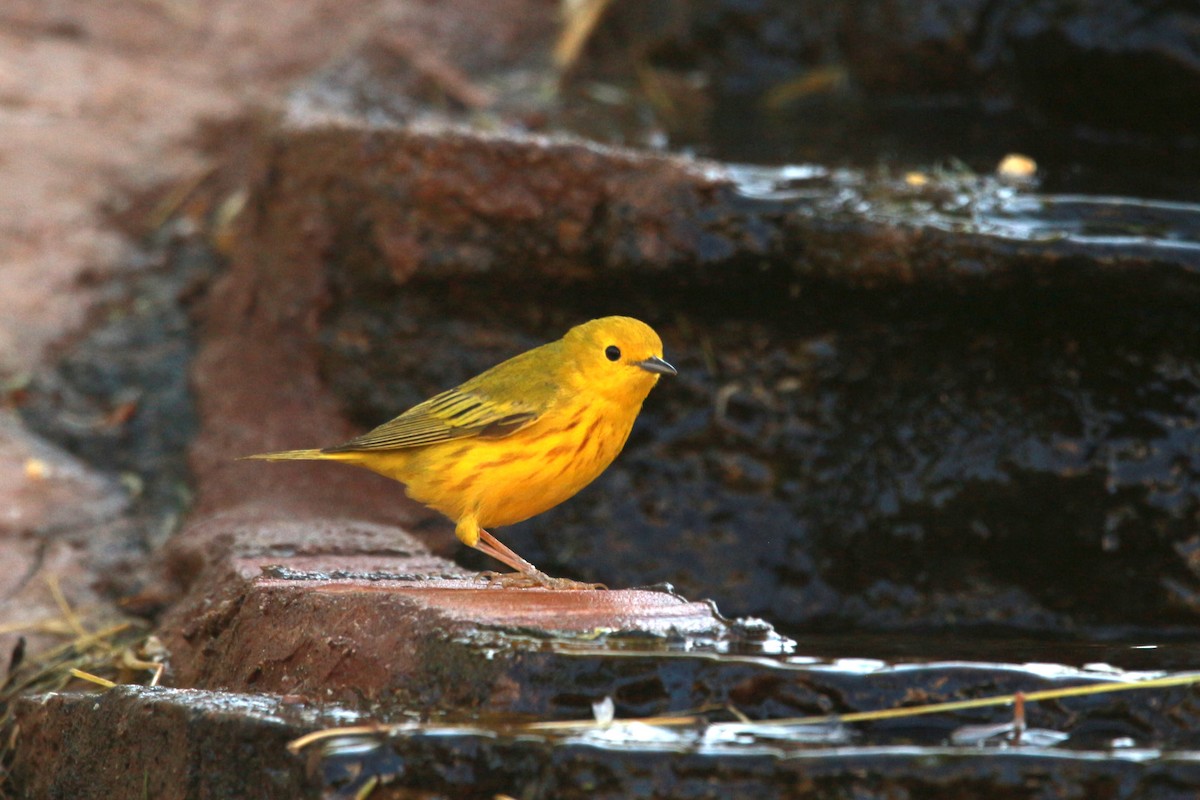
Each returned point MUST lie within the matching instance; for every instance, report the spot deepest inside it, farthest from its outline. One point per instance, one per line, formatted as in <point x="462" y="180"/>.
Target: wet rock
<point x="603" y="766"/>
<point x="892" y="411"/>
<point x="362" y="614"/>
<point x="134" y="741"/>
<point x="218" y="744"/>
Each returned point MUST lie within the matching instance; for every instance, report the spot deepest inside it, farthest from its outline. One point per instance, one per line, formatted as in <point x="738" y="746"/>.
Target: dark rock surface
<point x="879" y="422"/>
<point x="1130" y="65"/>
<point x="1112" y="86"/>
<point x="163" y="743"/>
<point x="187" y="743"/>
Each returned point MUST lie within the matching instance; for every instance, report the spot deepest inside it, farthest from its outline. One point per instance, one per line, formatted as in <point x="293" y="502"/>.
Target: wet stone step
<point x="485" y="690"/>
<point x="140" y="742"/>
<point x="396" y="632"/>
<point x="397" y="629"/>
<point x="876" y="370"/>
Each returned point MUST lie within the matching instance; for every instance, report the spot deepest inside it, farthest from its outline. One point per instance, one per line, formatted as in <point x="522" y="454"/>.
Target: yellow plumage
<point x="521" y="437"/>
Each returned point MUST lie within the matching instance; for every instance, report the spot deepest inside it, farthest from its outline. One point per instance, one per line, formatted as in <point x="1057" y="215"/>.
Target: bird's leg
<point x="527" y="574"/>
<point x="470" y="533"/>
<point x="504" y="554"/>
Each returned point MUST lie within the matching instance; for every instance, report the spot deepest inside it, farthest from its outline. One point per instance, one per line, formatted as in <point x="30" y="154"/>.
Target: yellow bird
<point x="518" y="439"/>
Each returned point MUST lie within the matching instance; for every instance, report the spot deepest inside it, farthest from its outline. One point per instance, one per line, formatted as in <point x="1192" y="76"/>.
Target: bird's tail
<point x="287" y="455"/>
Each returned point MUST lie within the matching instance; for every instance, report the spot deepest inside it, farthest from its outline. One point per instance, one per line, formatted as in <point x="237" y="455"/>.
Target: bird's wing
<point x="455" y="414"/>
<point x="492" y="405"/>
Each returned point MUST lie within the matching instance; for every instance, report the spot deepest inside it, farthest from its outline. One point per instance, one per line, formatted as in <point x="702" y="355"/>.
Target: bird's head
<point x="618" y="357"/>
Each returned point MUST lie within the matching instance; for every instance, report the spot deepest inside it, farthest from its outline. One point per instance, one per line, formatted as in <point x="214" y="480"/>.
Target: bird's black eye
<point x="612" y="352"/>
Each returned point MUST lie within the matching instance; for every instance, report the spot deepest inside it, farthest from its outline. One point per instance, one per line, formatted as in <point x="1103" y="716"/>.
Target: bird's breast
<point x="503" y="481"/>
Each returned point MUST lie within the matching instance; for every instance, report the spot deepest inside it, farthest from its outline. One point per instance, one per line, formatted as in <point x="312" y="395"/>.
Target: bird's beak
<point x="656" y="364"/>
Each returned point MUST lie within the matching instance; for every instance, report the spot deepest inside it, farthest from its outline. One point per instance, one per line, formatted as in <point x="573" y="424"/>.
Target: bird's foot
<point x="535" y="580"/>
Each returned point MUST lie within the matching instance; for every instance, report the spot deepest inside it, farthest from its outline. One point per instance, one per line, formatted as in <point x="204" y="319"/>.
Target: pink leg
<point x="529" y="575"/>
<point x="501" y="552"/>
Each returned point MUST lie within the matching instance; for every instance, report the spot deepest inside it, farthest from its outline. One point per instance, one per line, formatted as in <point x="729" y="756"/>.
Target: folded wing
<point x="455" y="414"/>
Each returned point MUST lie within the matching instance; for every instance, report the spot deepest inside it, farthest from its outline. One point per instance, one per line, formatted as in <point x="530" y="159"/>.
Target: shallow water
<point x="1164" y="654"/>
<point x="964" y="202"/>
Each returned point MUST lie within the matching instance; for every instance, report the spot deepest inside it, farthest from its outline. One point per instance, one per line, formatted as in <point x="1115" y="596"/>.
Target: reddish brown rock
<point x="363" y="614"/>
<point x="136" y="742"/>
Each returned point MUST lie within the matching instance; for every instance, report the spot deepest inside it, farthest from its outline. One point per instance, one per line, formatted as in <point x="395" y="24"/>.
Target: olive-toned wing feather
<point x="494" y="404"/>
<point x="450" y="415"/>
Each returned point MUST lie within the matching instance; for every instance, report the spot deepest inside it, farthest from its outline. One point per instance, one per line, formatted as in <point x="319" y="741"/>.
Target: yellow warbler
<point x="518" y="439"/>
